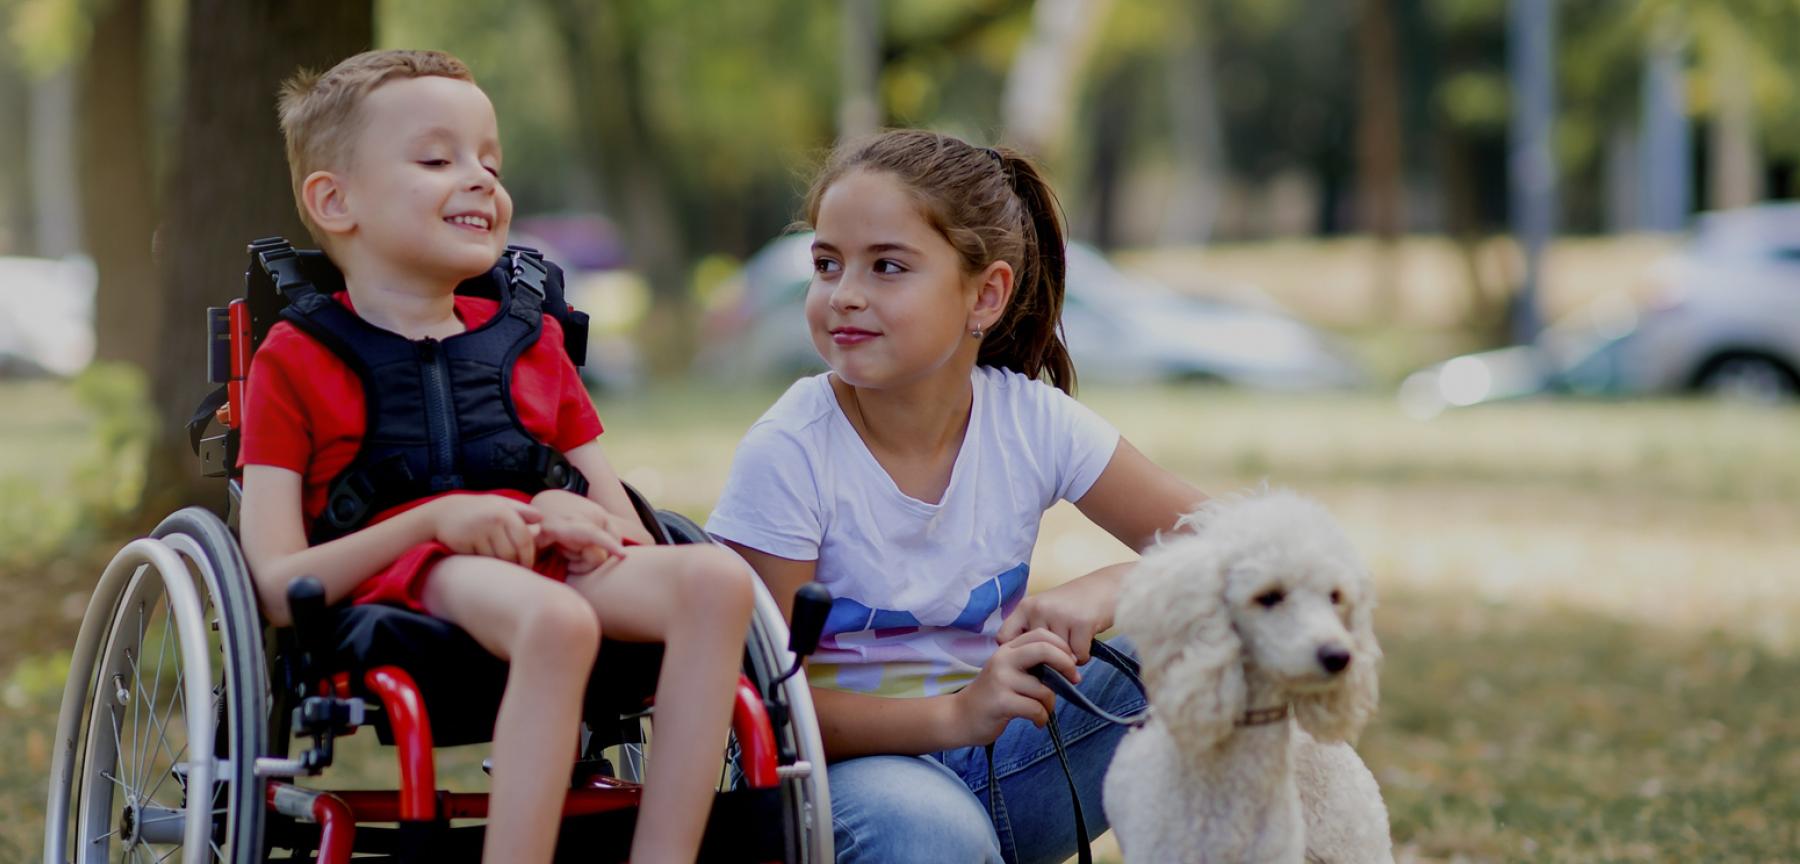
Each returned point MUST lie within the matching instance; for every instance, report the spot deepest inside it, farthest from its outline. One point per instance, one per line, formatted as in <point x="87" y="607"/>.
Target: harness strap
<point x="196" y="425"/>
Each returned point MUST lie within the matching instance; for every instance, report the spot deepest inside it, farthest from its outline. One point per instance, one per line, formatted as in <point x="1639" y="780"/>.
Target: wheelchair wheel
<point x="164" y="712"/>
<point x="805" y="799"/>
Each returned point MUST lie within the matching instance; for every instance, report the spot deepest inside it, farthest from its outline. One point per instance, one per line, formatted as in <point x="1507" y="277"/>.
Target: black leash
<point x="1062" y="687"/>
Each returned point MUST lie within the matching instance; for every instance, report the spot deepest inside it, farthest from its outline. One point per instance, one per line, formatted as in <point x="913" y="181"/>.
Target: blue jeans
<point x="933" y="808"/>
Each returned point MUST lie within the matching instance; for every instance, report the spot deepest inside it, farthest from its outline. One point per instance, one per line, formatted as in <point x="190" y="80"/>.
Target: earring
<point x="975" y="332"/>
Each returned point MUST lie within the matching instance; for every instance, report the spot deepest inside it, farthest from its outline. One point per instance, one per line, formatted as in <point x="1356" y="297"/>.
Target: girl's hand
<point x="490" y="525"/>
<point x="1076" y="611"/>
<point x="1006" y="688"/>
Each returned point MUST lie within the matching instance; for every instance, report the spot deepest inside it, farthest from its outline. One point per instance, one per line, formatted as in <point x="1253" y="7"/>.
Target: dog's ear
<point x="1339" y="714"/>
<point x="1173" y="609"/>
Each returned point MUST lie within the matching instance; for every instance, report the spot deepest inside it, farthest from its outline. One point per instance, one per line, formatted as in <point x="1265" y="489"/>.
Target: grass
<point x="1586" y="607"/>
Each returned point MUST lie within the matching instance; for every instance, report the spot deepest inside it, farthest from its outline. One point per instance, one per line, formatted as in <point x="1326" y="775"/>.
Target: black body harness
<point x="440" y="413"/>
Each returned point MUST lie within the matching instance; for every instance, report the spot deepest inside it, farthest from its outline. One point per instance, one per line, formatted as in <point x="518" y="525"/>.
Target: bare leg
<point x="550" y="638"/>
<point x="696" y="600"/>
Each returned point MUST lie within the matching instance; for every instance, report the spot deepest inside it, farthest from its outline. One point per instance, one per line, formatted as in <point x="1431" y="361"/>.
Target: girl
<point x="911" y="480"/>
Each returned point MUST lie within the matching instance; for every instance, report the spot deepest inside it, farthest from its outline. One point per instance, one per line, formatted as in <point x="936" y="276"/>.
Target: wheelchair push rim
<point x="159" y="730"/>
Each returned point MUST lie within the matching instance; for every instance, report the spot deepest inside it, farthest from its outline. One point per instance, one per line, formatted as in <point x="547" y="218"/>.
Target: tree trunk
<point x="1041" y="89"/>
<point x="1198" y="139"/>
<point x="1736" y="166"/>
<point x="1106" y="166"/>
<point x="117" y="205"/>
<point x="600" y="45"/>
<point x="229" y="186"/>
<point x="859" y="101"/>
<point x="15" y="184"/>
<point x="1379" y="180"/>
<point x="56" y="222"/>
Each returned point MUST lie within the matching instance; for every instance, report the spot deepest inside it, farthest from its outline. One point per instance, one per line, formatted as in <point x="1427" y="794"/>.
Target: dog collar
<point x="1261" y="716"/>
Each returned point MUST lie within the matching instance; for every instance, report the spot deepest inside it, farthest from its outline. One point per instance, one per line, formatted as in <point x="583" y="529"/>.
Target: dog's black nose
<point x="1334" y="659"/>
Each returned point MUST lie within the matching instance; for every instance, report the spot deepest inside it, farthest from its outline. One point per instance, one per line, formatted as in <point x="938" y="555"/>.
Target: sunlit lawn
<point x="1587" y="608"/>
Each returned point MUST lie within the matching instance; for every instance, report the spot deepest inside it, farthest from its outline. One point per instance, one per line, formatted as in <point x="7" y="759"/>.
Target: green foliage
<point x="83" y="471"/>
<point x="47" y="35"/>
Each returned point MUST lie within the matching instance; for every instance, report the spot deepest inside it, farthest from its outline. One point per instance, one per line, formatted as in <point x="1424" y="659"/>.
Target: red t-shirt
<point x="304" y="407"/>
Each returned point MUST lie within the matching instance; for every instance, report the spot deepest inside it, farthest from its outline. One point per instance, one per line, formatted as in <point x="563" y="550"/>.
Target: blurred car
<point x="46" y="316"/>
<point x="1119" y="329"/>
<point x="596" y="282"/>
<point x="1723" y="317"/>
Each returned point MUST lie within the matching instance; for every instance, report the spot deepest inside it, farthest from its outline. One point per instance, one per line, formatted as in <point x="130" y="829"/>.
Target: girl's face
<point x="889" y="303"/>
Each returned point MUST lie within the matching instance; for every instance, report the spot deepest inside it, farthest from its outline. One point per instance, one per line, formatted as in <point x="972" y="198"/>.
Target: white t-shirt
<point x="919" y="590"/>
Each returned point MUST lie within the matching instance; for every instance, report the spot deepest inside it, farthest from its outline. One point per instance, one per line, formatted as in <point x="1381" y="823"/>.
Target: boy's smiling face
<point x="421" y="192"/>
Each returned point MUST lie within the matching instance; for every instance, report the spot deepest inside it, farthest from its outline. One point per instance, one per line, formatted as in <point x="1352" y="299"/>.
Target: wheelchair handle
<point x="812" y="604"/>
<point x="306" y="608"/>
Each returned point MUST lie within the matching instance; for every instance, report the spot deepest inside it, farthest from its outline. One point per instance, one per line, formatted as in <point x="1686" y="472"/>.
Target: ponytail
<point x="1028" y="336"/>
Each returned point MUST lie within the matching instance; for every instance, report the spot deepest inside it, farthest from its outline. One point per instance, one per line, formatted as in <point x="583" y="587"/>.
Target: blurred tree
<point x="687" y="113"/>
<point x="859" y="70"/>
<point x="15" y="187"/>
<point x="1736" y="169"/>
<point x="118" y="207"/>
<point x="229" y="185"/>
<point x="1042" y="86"/>
<point x="1380" y="179"/>
<point x="44" y="37"/>
<point x="603" y="45"/>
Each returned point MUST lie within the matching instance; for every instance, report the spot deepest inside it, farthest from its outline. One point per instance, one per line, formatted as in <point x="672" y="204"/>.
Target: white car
<point x="46" y="316"/>
<point x="1723" y="318"/>
<point x="1118" y="329"/>
<point x="1727" y="314"/>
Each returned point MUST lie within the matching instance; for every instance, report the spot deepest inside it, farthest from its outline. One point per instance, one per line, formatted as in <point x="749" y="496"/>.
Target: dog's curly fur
<point x="1247" y="606"/>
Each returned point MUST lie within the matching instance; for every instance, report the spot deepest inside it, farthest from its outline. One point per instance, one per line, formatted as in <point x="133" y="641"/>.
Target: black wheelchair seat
<point x="460" y="681"/>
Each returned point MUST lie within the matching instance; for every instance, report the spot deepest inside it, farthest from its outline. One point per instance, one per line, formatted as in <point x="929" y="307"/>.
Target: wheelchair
<point x="187" y="720"/>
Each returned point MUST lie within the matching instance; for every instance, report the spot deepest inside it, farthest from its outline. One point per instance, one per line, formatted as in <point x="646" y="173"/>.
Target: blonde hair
<point x="320" y="112"/>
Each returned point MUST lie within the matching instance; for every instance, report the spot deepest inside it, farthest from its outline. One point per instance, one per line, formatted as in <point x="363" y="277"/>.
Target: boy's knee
<point x="713" y="578"/>
<point x="559" y="623"/>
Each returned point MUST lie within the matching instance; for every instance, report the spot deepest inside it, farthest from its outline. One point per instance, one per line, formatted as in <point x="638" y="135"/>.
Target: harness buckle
<point x="526" y="268"/>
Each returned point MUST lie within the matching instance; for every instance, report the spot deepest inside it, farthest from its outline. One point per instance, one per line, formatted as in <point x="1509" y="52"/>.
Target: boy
<point x="395" y="158"/>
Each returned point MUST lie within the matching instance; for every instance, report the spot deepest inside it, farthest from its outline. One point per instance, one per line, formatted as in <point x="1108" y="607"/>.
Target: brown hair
<point x="320" y="113"/>
<point x="992" y="205"/>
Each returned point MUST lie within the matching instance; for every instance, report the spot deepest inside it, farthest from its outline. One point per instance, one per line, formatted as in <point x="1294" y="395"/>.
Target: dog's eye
<point x="1336" y="596"/>
<point x="1270" y="597"/>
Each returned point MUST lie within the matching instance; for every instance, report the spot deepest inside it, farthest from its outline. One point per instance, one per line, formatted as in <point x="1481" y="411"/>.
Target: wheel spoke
<point x="131" y="659"/>
<point x="116" y="753"/>
<point x="173" y="761"/>
<point x="162" y="652"/>
<point x="162" y="733"/>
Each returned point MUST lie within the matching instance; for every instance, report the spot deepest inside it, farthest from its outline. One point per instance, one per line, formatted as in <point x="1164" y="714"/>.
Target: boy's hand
<point x="490" y="525"/>
<point x="582" y="529"/>
<point x="1076" y="611"/>
<point x="1006" y="688"/>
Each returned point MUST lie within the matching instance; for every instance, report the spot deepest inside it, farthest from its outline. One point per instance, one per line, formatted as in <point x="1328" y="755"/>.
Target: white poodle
<point x="1259" y="612"/>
